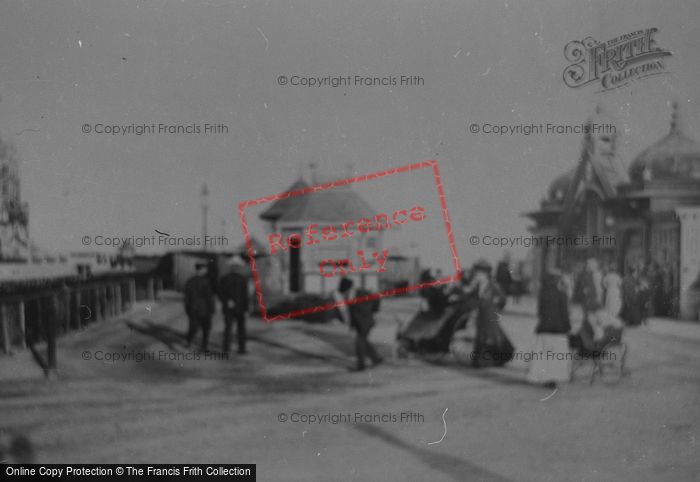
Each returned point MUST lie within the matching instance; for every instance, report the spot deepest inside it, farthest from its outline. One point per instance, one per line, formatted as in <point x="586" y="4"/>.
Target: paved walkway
<point x="169" y="409"/>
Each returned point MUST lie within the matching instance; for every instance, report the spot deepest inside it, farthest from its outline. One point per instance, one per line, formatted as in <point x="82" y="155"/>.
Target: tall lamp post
<point x="204" y="196"/>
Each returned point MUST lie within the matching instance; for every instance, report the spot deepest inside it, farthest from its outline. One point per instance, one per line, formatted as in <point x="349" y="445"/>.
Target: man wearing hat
<point x="233" y="293"/>
<point x="359" y="316"/>
<point x="199" y="304"/>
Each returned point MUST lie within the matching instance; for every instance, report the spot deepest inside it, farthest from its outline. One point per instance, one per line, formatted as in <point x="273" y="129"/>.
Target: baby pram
<point x="429" y="333"/>
<point x="602" y="345"/>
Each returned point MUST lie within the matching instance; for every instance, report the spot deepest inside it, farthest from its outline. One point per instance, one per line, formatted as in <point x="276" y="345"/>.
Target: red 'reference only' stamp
<point x="321" y="238"/>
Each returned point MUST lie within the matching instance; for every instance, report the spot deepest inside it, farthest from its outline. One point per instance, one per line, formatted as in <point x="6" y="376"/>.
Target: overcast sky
<point x="67" y="63"/>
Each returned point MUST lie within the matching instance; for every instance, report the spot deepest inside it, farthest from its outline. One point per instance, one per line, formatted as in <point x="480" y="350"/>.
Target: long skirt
<point x="492" y="348"/>
<point x="551" y="360"/>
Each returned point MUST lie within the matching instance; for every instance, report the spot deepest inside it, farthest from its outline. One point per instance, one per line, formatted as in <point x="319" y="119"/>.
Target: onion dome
<point x="676" y="156"/>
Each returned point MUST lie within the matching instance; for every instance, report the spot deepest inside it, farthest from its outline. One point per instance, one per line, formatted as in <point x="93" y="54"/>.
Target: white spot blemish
<point x="80" y="43"/>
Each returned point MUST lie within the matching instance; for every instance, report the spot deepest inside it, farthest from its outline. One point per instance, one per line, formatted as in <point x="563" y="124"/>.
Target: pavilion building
<point x="646" y="216"/>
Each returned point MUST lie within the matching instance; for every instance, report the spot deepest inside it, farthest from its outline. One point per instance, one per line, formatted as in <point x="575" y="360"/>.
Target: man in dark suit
<point x="360" y="317"/>
<point x="233" y="293"/>
<point x="199" y="304"/>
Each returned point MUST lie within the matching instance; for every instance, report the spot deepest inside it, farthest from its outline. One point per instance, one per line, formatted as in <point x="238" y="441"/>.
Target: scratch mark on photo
<point x="444" y="423"/>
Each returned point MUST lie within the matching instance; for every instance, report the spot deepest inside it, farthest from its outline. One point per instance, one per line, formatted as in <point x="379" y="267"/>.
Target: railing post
<point x="94" y="304"/>
<point x="113" y="302"/>
<point x="78" y="306"/>
<point x="66" y="301"/>
<point x="5" y="328"/>
<point x="118" y="298"/>
<point x="109" y="298"/>
<point x="103" y="302"/>
<point x="97" y="293"/>
<point x="38" y="327"/>
<point x="149" y="289"/>
<point x="51" y="333"/>
<point x="132" y="291"/>
<point x="22" y="322"/>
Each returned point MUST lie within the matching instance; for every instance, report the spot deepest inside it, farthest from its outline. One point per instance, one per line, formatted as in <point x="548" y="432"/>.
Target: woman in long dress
<point x="492" y="346"/>
<point x="552" y="361"/>
<point x="633" y="303"/>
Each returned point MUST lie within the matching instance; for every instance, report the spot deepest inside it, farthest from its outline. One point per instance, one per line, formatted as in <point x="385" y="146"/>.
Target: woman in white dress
<point x="612" y="286"/>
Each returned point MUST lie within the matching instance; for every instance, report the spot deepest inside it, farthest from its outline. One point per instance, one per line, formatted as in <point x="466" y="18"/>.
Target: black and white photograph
<point x="305" y="240"/>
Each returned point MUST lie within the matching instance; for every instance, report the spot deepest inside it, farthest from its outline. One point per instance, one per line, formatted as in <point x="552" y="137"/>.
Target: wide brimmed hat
<point x="482" y="265"/>
<point x="235" y="260"/>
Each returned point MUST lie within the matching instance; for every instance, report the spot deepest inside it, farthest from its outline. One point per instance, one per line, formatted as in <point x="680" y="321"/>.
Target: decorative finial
<point x="675" y="117"/>
<point x="313" y="169"/>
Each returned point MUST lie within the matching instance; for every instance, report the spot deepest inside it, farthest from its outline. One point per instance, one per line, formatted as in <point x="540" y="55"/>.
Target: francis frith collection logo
<point x="614" y="63"/>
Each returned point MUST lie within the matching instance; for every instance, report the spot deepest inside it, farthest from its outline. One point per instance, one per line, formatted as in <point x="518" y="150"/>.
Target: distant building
<point x="14" y="214"/>
<point x="645" y="217"/>
<point x="401" y="271"/>
<point x="176" y="267"/>
<point x="299" y="269"/>
<point x="83" y="264"/>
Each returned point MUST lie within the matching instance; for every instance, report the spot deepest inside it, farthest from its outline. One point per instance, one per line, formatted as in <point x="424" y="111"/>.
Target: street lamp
<point x="204" y="196"/>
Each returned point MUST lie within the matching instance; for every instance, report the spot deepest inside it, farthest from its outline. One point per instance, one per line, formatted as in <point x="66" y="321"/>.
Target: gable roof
<point x="604" y="180"/>
<point x="282" y="205"/>
<point x="334" y="204"/>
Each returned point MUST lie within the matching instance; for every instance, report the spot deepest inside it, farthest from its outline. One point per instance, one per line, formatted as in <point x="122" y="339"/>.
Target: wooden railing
<point x="34" y="313"/>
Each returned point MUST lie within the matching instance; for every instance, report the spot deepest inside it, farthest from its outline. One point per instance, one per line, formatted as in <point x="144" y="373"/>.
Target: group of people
<point x="200" y="303"/>
<point x="604" y="296"/>
<point x="598" y="288"/>
<point x="647" y="290"/>
<point x="511" y="278"/>
<point x="480" y="297"/>
<point x="200" y="295"/>
<point x="600" y="295"/>
<point x="478" y="292"/>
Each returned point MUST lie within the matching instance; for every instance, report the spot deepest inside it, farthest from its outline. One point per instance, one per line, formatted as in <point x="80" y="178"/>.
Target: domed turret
<point x="560" y="186"/>
<point x="676" y="156"/>
<point x="598" y="149"/>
